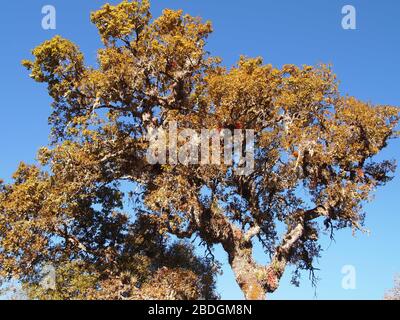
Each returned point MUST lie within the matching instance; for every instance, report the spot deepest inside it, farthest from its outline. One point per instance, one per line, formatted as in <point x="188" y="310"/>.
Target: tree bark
<point x="246" y="276"/>
<point x="254" y="280"/>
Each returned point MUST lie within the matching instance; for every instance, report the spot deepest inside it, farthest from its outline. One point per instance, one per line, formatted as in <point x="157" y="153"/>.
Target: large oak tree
<point x="314" y="156"/>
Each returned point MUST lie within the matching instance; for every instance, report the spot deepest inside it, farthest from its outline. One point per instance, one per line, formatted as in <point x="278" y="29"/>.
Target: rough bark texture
<point x="256" y="280"/>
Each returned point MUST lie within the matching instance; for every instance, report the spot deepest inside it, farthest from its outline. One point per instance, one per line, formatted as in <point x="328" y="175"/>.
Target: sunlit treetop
<point x="315" y="162"/>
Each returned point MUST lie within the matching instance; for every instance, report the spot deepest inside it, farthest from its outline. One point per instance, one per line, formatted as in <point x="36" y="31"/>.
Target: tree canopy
<point x="314" y="165"/>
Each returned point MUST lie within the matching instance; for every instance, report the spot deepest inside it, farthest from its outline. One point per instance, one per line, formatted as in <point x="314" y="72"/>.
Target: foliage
<point x="314" y="163"/>
<point x="394" y="294"/>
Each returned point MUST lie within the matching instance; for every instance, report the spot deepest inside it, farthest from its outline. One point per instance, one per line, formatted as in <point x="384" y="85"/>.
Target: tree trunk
<point x="251" y="278"/>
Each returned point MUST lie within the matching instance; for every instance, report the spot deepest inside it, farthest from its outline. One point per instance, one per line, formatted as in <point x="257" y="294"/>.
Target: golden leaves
<point x="122" y="20"/>
<point x="55" y="59"/>
<point x="151" y="73"/>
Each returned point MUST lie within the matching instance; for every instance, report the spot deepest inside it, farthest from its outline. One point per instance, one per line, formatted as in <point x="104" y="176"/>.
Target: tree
<point x="76" y="225"/>
<point x="314" y="152"/>
<point x="394" y="294"/>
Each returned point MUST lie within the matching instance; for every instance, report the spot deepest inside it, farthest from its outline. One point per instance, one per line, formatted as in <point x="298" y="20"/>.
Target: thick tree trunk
<point x="246" y="277"/>
<point x="254" y="280"/>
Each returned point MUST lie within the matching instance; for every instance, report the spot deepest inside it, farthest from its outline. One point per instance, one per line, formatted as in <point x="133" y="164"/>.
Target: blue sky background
<point x="366" y="61"/>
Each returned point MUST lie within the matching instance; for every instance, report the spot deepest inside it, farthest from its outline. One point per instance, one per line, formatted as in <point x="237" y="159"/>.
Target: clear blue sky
<point x="366" y="61"/>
